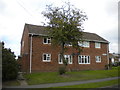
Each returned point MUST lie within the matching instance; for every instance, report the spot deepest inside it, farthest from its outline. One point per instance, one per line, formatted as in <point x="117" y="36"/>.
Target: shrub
<point x="9" y="65"/>
<point x="116" y="64"/>
<point x="62" y="70"/>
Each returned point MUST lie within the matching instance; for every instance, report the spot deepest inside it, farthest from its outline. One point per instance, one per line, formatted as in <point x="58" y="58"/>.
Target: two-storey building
<point x="37" y="53"/>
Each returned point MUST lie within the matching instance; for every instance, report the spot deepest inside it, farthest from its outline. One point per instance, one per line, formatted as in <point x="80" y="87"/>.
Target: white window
<point x="67" y="57"/>
<point x="68" y="44"/>
<point x="97" y="45"/>
<point x="46" y="57"/>
<point x="98" y="58"/>
<point x="84" y="44"/>
<point x="46" y="40"/>
<point x="83" y="59"/>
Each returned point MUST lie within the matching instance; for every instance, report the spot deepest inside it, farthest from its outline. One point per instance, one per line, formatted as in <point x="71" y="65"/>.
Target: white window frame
<point x="65" y="56"/>
<point x="68" y="44"/>
<point x="97" y="45"/>
<point x="69" y="58"/>
<point x="84" y="44"/>
<point x="47" y="56"/>
<point x="48" y="40"/>
<point x="85" y="58"/>
<point x="98" y="58"/>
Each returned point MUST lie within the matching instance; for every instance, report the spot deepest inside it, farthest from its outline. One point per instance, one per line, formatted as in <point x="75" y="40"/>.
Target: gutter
<point x="31" y="53"/>
<point x="37" y="34"/>
<point x="97" y="41"/>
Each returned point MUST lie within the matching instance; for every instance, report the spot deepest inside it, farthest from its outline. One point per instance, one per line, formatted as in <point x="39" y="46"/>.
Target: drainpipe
<point x="31" y="52"/>
<point x="108" y="54"/>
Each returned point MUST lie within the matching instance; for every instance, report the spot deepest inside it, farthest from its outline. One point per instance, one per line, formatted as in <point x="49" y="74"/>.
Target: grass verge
<point x="54" y="77"/>
<point x="11" y="83"/>
<point x="93" y="85"/>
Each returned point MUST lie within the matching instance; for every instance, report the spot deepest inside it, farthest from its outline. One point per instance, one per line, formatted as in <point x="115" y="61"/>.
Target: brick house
<point x="38" y="55"/>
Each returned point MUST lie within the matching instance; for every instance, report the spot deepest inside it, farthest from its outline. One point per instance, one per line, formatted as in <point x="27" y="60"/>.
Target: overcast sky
<point x="102" y="19"/>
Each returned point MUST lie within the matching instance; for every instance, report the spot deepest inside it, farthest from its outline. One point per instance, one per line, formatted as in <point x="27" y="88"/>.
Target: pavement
<point x="21" y="79"/>
<point x="25" y="85"/>
<point x="22" y="82"/>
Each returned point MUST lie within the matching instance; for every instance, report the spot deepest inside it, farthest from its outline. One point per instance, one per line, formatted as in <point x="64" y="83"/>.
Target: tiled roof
<point x="34" y="29"/>
<point x="93" y="37"/>
<point x="39" y="30"/>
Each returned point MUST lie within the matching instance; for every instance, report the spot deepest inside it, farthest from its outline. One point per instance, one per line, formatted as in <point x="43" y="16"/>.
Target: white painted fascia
<point x="37" y="34"/>
<point x="97" y="41"/>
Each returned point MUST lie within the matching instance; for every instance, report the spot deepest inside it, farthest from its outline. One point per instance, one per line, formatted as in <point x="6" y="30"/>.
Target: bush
<point x="116" y="64"/>
<point x="62" y="70"/>
<point x="9" y="65"/>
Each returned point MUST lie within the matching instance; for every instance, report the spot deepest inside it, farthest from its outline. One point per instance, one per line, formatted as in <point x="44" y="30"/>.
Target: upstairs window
<point x="68" y="44"/>
<point x="46" y="57"/>
<point x="84" y="44"/>
<point x="46" y="40"/>
<point x="67" y="57"/>
<point x="97" y="45"/>
<point x="98" y="58"/>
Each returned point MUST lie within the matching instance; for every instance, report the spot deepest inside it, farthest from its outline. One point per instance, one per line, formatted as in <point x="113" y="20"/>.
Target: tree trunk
<point x="62" y="51"/>
<point x="62" y="54"/>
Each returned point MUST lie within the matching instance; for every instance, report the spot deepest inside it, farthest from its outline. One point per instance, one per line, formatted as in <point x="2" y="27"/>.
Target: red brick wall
<point x="25" y="39"/>
<point x="39" y="48"/>
<point x="25" y="50"/>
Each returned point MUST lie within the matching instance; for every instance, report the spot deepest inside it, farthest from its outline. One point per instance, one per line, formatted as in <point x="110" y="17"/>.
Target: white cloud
<point x="113" y="48"/>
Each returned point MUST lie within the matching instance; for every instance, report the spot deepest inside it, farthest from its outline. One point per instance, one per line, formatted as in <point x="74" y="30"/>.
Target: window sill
<point x="60" y="63"/>
<point x="83" y="63"/>
<point x="98" y="62"/>
<point x="97" y="48"/>
<point x="86" y="47"/>
<point x="46" y="61"/>
<point x="47" y="43"/>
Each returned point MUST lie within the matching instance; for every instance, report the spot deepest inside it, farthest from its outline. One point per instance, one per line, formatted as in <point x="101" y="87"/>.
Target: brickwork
<point x="25" y="51"/>
<point x="38" y="48"/>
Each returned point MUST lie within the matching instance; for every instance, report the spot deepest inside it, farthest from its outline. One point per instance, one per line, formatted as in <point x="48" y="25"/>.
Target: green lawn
<point x="93" y="85"/>
<point x="11" y="83"/>
<point x="53" y="77"/>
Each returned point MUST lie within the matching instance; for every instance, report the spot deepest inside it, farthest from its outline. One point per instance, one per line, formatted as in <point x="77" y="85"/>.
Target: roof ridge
<point x="44" y="26"/>
<point x="90" y="33"/>
<point x="34" y="25"/>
